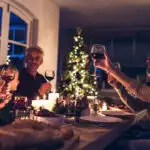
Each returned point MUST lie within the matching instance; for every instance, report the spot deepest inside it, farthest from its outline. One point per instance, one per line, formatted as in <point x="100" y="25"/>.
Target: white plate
<point x="117" y="113"/>
<point x="50" y="120"/>
<point x="102" y="119"/>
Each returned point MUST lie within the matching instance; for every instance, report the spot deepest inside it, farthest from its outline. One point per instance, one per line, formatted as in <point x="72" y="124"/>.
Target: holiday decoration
<point x="76" y="80"/>
<point x="8" y="61"/>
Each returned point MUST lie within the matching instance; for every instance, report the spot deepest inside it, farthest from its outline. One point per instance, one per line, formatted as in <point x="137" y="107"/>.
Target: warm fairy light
<point x="96" y="93"/>
<point x="76" y="39"/>
<point x="77" y="73"/>
<point x="75" y="103"/>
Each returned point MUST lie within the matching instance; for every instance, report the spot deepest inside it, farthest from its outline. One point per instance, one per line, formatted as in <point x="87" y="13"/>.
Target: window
<point x="15" y="33"/>
<point x="17" y="42"/>
<point x="123" y="49"/>
<point x="0" y="21"/>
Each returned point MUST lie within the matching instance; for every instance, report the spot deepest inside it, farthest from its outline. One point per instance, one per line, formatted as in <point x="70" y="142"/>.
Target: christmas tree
<point x="76" y="79"/>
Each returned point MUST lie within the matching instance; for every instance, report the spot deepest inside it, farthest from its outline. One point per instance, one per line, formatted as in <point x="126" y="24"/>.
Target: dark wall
<point x="130" y="47"/>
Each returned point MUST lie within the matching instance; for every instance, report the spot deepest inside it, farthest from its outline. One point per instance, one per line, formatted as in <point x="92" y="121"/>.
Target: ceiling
<point x="104" y="14"/>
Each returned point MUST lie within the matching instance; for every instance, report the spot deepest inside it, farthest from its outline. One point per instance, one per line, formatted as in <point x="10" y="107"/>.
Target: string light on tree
<point x="8" y="60"/>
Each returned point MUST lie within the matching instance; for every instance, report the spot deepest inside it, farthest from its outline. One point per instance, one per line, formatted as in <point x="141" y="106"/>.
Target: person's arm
<point x="133" y="103"/>
<point x="45" y="86"/>
<point x="139" y="90"/>
<point x="122" y="93"/>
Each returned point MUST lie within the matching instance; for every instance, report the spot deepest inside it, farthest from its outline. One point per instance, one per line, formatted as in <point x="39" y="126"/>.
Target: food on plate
<point x="45" y="113"/>
<point x="29" y="138"/>
<point x="30" y="124"/>
<point x="67" y="132"/>
<point x="24" y="134"/>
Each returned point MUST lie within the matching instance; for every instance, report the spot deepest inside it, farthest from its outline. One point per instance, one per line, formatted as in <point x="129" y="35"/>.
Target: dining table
<point x="99" y="136"/>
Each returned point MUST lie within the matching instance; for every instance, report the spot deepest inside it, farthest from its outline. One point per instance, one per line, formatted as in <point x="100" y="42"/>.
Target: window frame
<point x="20" y="11"/>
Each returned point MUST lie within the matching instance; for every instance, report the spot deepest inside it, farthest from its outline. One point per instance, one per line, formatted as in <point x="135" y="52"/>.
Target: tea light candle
<point x="104" y="106"/>
<point x="46" y="104"/>
<point x="53" y="96"/>
<point x="64" y="103"/>
<point x="37" y="98"/>
<point x="44" y="97"/>
<point x="54" y="90"/>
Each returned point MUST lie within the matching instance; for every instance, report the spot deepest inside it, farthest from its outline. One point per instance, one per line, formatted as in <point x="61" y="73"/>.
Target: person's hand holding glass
<point x="46" y="87"/>
<point x="7" y="74"/>
<point x="111" y="80"/>
<point x="100" y="57"/>
<point x="49" y="75"/>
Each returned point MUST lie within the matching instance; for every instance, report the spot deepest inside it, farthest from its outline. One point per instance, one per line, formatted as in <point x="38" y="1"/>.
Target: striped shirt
<point x="133" y="103"/>
<point x="141" y="91"/>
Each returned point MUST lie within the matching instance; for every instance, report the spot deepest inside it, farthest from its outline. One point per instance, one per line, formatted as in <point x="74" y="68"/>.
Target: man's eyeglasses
<point x="37" y="58"/>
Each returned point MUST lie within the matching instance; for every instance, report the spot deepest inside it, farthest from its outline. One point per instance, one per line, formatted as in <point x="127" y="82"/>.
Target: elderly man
<point x="32" y="83"/>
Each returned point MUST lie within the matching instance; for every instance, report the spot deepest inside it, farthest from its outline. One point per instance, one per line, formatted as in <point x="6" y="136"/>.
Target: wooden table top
<point x="98" y="138"/>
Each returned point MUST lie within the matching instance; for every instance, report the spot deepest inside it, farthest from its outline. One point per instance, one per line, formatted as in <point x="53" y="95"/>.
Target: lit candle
<point x="104" y="106"/>
<point x="37" y="98"/>
<point x="64" y="103"/>
<point x="54" y="90"/>
<point x="44" y="97"/>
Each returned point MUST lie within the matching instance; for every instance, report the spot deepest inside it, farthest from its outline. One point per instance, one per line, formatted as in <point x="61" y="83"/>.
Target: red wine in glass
<point x="97" y="51"/>
<point x="98" y="56"/>
<point x="49" y="75"/>
<point x="7" y="74"/>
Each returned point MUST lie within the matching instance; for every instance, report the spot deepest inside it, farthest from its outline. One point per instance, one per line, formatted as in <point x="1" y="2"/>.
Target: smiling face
<point x="33" y="60"/>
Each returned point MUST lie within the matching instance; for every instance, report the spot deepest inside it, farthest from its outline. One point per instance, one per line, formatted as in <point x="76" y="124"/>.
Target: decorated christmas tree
<point x="76" y="79"/>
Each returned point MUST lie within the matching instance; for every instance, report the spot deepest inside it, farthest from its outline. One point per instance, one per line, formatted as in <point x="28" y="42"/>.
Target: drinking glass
<point x="7" y="74"/>
<point x="21" y="107"/>
<point x="97" y="51"/>
<point x="49" y="75"/>
<point x="20" y="102"/>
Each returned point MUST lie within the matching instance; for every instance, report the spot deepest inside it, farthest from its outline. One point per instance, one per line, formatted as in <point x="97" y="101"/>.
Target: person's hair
<point x="34" y="49"/>
<point x="5" y="66"/>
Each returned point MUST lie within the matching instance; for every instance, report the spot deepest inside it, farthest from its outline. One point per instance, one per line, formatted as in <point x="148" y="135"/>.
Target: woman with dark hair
<point x="6" y="91"/>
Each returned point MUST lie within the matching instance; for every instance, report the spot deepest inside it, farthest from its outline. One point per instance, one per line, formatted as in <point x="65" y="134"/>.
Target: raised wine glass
<point x="97" y="51"/>
<point x="49" y="75"/>
<point x="7" y="74"/>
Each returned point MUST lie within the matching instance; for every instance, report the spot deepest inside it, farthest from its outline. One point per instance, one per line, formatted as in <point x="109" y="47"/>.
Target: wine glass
<point x="117" y="65"/>
<point x="49" y="75"/>
<point x="7" y="74"/>
<point x="97" y="51"/>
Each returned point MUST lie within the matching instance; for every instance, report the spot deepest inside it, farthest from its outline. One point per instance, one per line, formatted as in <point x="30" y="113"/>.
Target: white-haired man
<point x="32" y="83"/>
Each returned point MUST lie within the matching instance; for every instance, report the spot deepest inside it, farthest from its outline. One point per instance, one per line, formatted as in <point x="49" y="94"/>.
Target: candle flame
<point x="44" y="97"/>
<point x="104" y="106"/>
<point x="37" y="98"/>
<point x="54" y="90"/>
